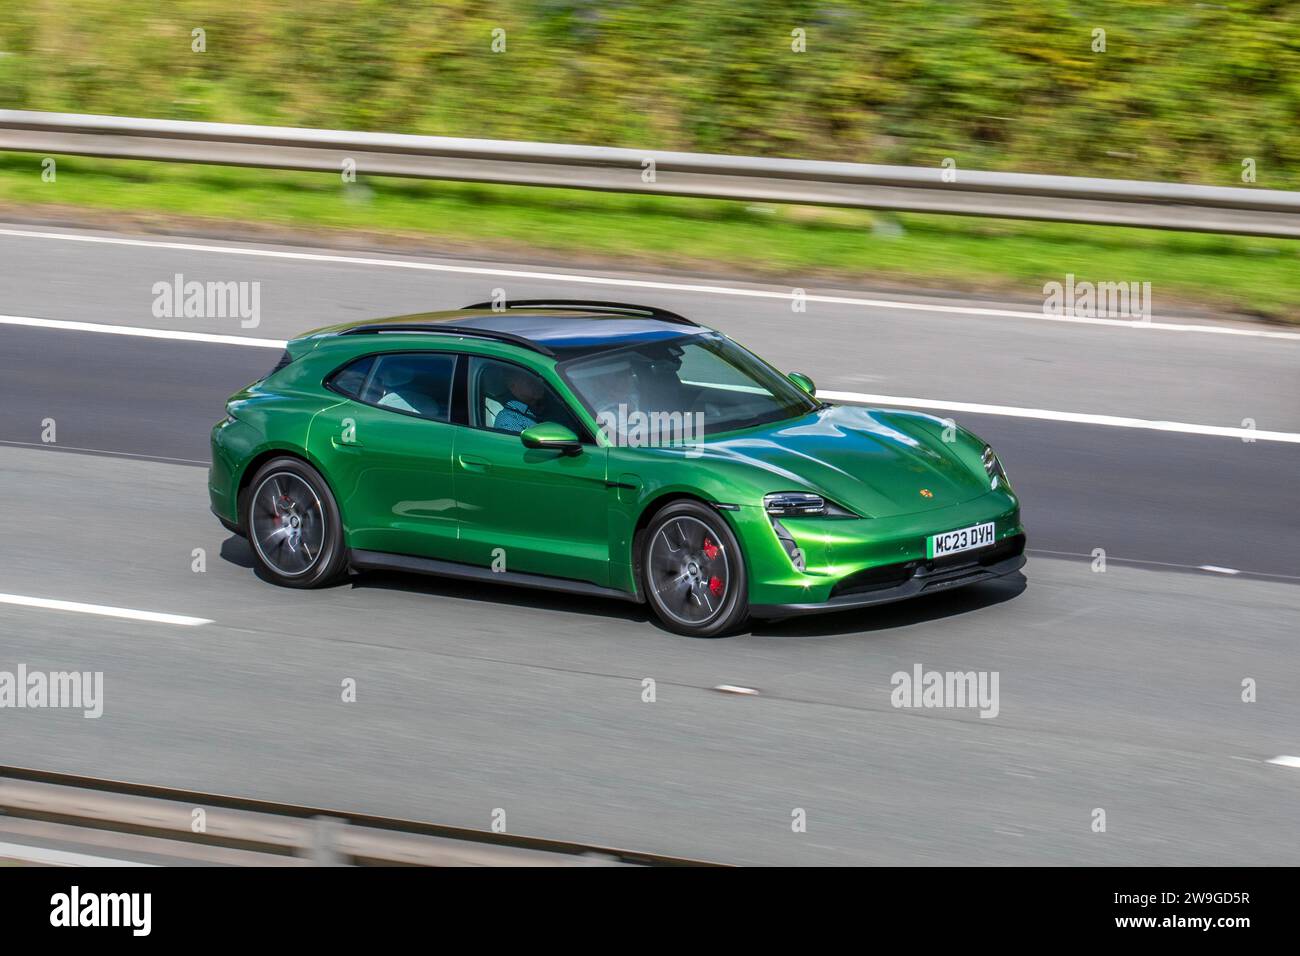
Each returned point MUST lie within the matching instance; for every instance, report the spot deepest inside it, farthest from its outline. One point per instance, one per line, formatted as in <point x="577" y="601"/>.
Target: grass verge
<point x="1222" y="274"/>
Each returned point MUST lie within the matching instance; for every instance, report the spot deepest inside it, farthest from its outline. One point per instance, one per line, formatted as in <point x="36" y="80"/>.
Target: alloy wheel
<point x="690" y="571"/>
<point x="288" y="524"/>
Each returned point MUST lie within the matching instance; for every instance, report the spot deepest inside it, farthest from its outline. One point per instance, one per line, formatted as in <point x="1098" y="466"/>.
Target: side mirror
<point x="803" y="381"/>
<point x="552" y="437"/>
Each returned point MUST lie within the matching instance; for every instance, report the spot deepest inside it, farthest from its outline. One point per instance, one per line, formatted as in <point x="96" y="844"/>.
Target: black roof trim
<point x="589" y="305"/>
<point x="458" y="330"/>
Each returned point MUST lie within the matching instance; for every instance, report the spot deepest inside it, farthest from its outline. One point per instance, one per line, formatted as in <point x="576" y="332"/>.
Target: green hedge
<point x="1183" y="91"/>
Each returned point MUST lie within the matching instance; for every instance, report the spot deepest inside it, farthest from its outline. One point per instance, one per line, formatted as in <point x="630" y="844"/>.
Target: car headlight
<point x="796" y="504"/>
<point x="993" y="467"/>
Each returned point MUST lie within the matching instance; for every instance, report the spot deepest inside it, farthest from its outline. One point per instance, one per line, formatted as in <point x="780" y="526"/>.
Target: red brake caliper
<point x="711" y="551"/>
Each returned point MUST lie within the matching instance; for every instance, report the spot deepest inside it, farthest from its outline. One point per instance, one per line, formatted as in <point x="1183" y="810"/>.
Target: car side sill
<point x="912" y="588"/>
<point x="384" y="561"/>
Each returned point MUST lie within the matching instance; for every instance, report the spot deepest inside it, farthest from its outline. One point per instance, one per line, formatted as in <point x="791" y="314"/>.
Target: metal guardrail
<point x="1246" y="211"/>
<point x="154" y="821"/>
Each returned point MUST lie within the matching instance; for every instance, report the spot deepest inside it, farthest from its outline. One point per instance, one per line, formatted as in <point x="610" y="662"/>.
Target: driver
<point x="520" y="411"/>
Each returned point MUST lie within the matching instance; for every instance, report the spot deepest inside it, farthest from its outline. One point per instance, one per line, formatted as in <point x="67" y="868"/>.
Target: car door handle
<point x="345" y="445"/>
<point x="474" y="463"/>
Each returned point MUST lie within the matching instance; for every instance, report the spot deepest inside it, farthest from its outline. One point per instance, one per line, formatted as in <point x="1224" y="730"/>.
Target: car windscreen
<point x="704" y="383"/>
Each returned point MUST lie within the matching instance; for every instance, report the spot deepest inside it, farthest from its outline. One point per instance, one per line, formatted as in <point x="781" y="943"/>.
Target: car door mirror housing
<point x="551" y="436"/>
<point x="803" y="381"/>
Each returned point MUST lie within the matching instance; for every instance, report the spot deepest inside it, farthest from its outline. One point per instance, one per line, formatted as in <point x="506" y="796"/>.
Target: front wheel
<point x="293" y="525"/>
<point x="693" y="571"/>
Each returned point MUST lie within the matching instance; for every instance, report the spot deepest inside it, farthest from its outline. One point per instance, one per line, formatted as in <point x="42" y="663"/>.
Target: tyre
<point x="693" y="571"/>
<point x="294" y="526"/>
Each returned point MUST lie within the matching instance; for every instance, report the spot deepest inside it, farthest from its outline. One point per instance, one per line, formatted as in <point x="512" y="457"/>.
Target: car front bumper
<point x="910" y="579"/>
<point x="846" y="563"/>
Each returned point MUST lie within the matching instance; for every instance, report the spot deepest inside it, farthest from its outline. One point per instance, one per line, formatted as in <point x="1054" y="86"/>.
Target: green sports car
<point x="604" y="449"/>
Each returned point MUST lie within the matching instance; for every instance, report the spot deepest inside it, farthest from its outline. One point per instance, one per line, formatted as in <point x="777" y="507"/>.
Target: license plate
<point x="963" y="539"/>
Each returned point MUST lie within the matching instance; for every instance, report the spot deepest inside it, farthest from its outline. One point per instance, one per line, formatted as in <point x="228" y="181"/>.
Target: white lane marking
<point x="232" y="250"/>
<point x="102" y="610"/>
<point x="1285" y="761"/>
<point x="101" y="451"/>
<point x="39" y="854"/>
<point x="733" y="689"/>
<point x="1218" y="570"/>
<point x="140" y="331"/>
<point x="1078" y="418"/>
<point x="858" y="397"/>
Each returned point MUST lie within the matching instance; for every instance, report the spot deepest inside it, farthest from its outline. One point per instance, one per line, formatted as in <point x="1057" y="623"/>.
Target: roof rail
<point x="458" y="330"/>
<point x="588" y="305"/>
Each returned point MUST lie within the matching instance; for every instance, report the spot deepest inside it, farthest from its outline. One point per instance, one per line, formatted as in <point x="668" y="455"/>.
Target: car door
<point x="388" y="452"/>
<point x="536" y="511"/>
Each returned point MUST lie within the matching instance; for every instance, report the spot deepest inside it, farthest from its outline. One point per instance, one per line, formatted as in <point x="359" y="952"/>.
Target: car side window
<point x="414" y="383"/>
<point x="505" y="397"/>
<point x="350" y="379"/>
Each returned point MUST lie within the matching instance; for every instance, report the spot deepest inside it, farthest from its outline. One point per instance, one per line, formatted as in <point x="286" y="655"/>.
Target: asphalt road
<point x="911" y="348"/>
<point x="1119" y="690"/>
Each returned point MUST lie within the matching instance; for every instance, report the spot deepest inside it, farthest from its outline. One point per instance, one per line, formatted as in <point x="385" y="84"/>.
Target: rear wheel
<point x="293" y="525"/>
<point x="693" y="571"/>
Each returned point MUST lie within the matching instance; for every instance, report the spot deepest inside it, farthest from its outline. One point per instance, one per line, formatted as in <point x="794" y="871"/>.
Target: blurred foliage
<point x="1182" y="92"/>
